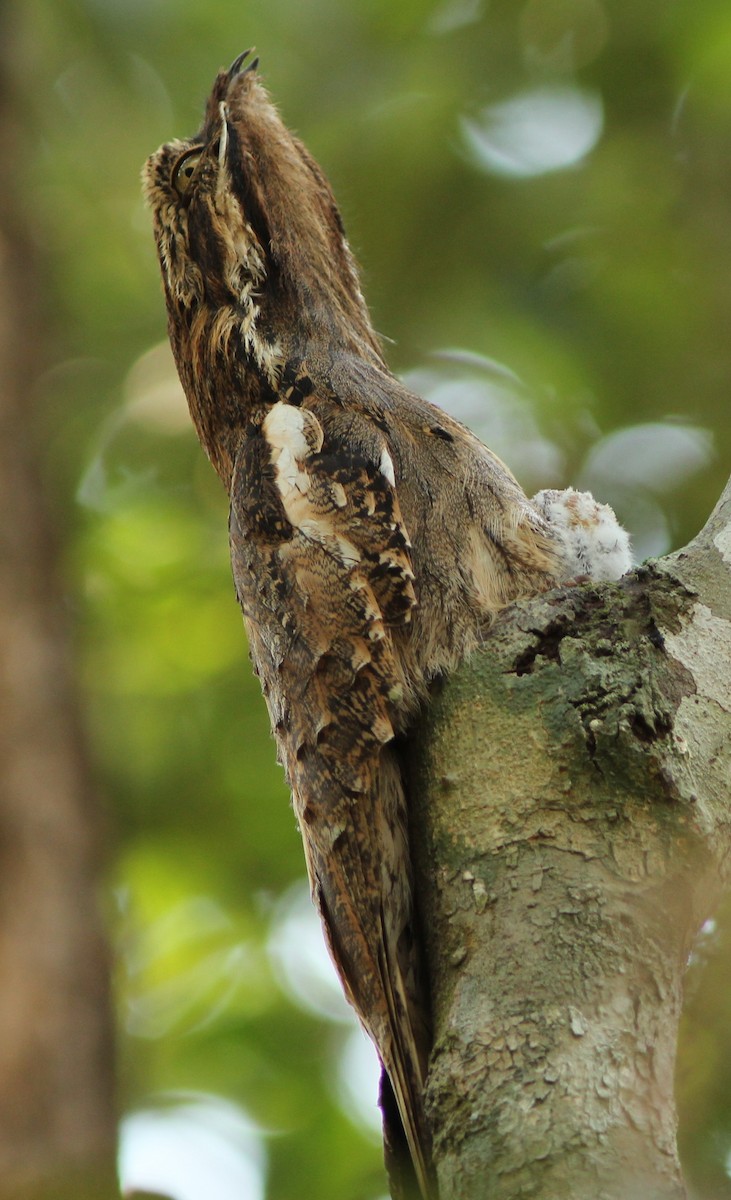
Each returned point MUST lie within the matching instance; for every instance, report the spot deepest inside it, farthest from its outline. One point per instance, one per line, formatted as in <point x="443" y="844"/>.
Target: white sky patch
<point x="659" y="456"/>
<point x="359" y="1074"/>
<point x="301" y="961"/>
<point x="192" y="1148"/>
<point x="634" y="467"/>
<point x="546" y="129"/>
<point x="304" y="969"/>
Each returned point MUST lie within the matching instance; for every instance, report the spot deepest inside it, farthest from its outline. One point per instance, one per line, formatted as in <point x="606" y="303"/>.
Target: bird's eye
<point x="184" y="170"/>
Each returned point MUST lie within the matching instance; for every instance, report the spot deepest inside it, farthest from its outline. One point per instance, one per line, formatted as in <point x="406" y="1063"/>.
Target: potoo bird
<point x="373" y="538"/>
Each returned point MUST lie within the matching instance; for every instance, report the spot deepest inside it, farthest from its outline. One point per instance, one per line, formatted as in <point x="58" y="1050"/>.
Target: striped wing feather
<point x="323" y="573"/>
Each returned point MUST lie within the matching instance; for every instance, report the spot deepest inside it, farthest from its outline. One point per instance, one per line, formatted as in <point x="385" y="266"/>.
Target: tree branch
<point x="571" y="834"/>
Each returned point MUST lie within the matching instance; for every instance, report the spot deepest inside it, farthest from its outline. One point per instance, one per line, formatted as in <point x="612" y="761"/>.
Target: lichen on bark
<point x="571" y="830"/>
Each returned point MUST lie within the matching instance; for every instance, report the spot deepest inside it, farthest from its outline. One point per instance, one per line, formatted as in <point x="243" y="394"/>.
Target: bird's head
<point x="241" y="209"/>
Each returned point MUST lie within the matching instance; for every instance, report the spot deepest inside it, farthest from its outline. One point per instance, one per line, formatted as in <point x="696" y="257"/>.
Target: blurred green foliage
<point x="597" y="296"/>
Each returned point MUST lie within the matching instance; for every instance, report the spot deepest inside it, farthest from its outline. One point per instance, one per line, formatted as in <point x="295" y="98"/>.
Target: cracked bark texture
<point x="572" y="832"/>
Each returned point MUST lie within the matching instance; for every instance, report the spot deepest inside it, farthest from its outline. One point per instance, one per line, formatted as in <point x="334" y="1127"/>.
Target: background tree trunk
<point x="57" y="1119"/>
<point x="573" y="834"/>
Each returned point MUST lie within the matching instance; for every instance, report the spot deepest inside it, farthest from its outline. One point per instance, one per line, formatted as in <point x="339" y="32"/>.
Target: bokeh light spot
<point x="547" y="129"/>
<point x="301" y="961"/>
<point x="192" y="1148"/>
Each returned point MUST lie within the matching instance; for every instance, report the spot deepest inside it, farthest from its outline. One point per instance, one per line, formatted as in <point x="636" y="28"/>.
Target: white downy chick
<point x="595" y="544"/>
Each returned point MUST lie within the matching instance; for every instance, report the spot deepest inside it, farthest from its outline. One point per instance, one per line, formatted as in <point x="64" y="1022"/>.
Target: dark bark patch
<point x="649" y="731"/>
<point x="545" y="646"/>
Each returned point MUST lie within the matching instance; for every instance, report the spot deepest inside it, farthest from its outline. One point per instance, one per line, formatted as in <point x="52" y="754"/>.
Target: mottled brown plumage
<point x="372" y="537"/>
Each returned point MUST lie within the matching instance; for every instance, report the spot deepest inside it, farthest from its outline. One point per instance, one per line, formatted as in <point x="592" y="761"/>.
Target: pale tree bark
<point x="573" y="832"/>
<point x="57" y="1119"/>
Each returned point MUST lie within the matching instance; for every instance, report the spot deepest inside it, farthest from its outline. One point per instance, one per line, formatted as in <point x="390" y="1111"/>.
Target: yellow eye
<point x="184" y="170"/>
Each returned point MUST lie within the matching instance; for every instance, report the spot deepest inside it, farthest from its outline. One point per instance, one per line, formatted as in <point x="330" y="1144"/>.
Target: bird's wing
<point x="322" y="567"/>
